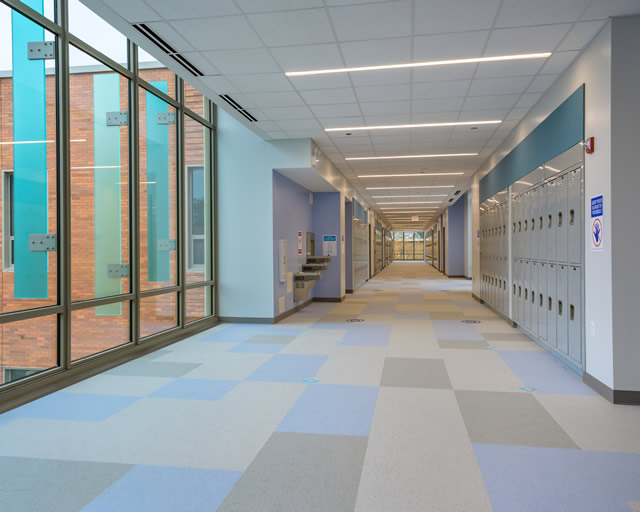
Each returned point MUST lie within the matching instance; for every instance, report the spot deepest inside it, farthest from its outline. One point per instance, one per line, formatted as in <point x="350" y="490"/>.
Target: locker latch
<point x="559" y="219"/>
<point x="572" y="311"/>
<point x="572" y="214"/>
<point x="560" y="308"/>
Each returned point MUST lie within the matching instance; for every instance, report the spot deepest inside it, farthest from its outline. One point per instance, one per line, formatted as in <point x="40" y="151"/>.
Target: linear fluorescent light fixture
<point x="475" y="60"/>
<point x="410" y="175"/>
<point x="410" y="202"/>
<point x="399" y="126"/>
<point x="401" y="188"/>
<point x="443" y="155"/>
<point x="390" y="197"/>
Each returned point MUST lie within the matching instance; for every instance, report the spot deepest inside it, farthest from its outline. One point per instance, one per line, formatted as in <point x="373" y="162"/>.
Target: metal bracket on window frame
<point x="118" y="270"/>
<point x="43" y="242"/>
<point x="166" y="118"/>
<point x="41" y="50"/>
<point x="167" y="245"/>
<point x="118" y="118"/>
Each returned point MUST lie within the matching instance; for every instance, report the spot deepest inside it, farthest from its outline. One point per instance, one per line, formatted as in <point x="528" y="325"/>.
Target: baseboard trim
<point x="349" y="291"/>
<point x="329" y="299"/>
<point x="292" y="311"/>
<point x="615" y="396"/>
<point x="457" y="277"/>
<point x="496" y="311"/>
<point x="247" y="320"/>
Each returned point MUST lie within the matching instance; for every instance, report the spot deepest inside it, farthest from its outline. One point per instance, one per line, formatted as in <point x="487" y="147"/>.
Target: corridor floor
<point x="408" y="396"/>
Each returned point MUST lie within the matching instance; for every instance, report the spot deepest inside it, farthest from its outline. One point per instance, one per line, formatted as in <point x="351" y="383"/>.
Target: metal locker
<point x="575" y="223"/>
<point x="533" y="296"/>
<point x="514" y="226"/>
<point x="521" y="290"/>
<point x="534" y="223"/>
<point x="551" y="305"/>
<point x="542" y="301"/>
<point x="526" y="229"/>
<point x="562" y="198"/>
<point x="550" y="221"/>
<point x="515" y="303"/>
<point x="575" y="313"/>
<point x="562" y="326"/>
<point x="541" y="222"/>
<point x="526" y="299"/>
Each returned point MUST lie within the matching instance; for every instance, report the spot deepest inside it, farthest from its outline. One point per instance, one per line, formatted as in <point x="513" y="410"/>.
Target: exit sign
<point x="414" y="218"/>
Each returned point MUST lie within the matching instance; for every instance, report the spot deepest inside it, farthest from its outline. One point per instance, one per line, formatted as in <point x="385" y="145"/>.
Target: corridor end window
<point x="196" y="251"/>
<point x="7" y="224"/>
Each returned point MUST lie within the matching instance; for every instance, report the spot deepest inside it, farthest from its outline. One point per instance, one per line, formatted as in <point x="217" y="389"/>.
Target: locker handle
<point x="541" y="299"/>
<point x="541" y="222"/>
<point x="514" y="227"/>
<point x="572" y="311"/>
<point x="526" y="225"/>
<point x="550" y="220"/>
<point x="533" y="297"/>
<point x="559" y="219"/>
<point x="533" y="224"/>
<point x="504" y="285"/>
<point x="526" y="294"/>
<point x="504" y="229"/>
<point x="514" y="289"/>
<point x="519" y="226"/>
<point x="519" y="291"/>
<point x="550" y="305"/>
<point x="560" y="308"/>
<point x="571" y="217"/>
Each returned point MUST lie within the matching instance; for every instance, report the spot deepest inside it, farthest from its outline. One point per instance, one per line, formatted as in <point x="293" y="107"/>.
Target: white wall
<point x="593" y="68"/>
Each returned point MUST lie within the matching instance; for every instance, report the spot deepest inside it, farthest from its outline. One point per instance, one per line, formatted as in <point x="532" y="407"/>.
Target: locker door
<point x="562" y="326"/>
<point x="515" y="303"/>
<point x="562" y="198"/>
<point x="533" y="223"/>
<point x="575" y="313"/>
<point x="542" y="223"/>
<point x="521" y="290"/>
<point x="533" y="297"/>
<point x="542" y="301"/>
<point x="575" y="223"/>
<point x="551" y="305"/>
<point x="550" y="227"/>
<point x="514" y="226"/>
<point x="526" y="299"/>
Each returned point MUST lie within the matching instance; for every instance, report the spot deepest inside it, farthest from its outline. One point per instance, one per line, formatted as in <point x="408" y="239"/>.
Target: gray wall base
<point x="615" y="396"/>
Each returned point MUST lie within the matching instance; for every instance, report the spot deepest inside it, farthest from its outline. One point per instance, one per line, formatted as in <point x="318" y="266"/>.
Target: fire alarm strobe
<point x="590" y="145"/>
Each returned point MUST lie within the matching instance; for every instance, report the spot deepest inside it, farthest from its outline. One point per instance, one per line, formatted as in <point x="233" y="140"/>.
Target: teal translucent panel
<point x="29" y="157"/>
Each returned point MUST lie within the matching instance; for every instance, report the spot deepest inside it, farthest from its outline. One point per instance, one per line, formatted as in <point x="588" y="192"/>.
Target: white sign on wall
<point x="330" y="245"/>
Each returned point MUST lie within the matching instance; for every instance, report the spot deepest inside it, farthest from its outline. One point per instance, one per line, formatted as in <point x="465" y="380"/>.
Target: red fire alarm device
<point x="590" y="145"/>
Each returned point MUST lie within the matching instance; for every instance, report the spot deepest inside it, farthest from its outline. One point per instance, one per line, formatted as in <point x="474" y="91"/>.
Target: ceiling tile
<point x="377" y="52"/>
<point x="444" y="73"/>
<point x="516" y="114"/>
<point x="345" y="109"/>
<point x="275" y="99"/>
<point x="509" y="68"/>
<point x="510" y="41"/>
<point x="434" y="117"/>
<point x="288" y="28"/>
<point x="253" y="6"/>
<point x="193" y="9"/>
<point x="377" y="119"/>
<point x="558" y="62"/>
<point x="337" y="122"/>
<point x="304" y="58"/>
<point x="303" y="134"/>
<point x="518" y="13"/>
<point x="276" y="135"/>
<point x="266" y="82"/>
<point x="386" y="107"/>
<point x="437" y="105"/>
<point x="541" y="83"/>
<point x="276" y="114"/>
<point x="462" y="15"/>
<point x="492" y="86"/>
<point x="450" y="89"/>
<point x="201" y="62"/>
<point x="384" y="93"/>
<point x="329" y="96"/>
<point x="299" y="124"/>
<point x="602" y="9"/>
<point x="219" y="84"/>
<point x="225" y="33"/>
<point x="449" y="46"/>
<point x="303" y="83"/>
<point x="580" y="35"/>
<point x="171" y="36"/>
<point x="240" y="62"/>
<point x="490" y="102"/>
<point x="370" y="78"/>
<point x="267" y="126"/>
<point x="372" y="21"/>
<point x="528" y="100"/>
<point x="134" y="11"/>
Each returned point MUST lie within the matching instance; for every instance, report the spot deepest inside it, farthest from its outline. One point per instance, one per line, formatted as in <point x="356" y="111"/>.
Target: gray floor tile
<point x="153" y="369"/>
<point x="510" y="418"/>
<point x="415" y="373"/>
<point x="439" y="315"/>
<point x="505" y="336"/>
<point x="299" y="473"/>
<point x="267" y="338"/>
<point x="464" y="344"/>
<point x="45" y="485"/>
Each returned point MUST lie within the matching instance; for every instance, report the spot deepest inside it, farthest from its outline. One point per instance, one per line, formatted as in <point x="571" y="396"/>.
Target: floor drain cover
<point x="355" y="320"/>
<point x="470" y="321"/>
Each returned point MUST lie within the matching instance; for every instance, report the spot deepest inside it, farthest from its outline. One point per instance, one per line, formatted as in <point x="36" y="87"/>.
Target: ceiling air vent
<point x="166" y="48"/>
<point x="451" y="200"/>
<point x="237" y="107"/>
<point x="457" y="192"/>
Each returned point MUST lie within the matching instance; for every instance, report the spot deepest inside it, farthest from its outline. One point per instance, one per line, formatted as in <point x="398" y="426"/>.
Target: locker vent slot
<point x="572" y="311"/>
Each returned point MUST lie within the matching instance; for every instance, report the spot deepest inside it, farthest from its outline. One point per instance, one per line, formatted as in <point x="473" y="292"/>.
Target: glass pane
<point x="28" y="205"/>
<point x="158" y="191"/>
<point x="99" y="182"/>
<point x="198" y="200"/>
<point x="418" y="238"/>
<point x="199" y="303"/>
<point x="28" y="347"/>
<point x="92" y="29"/>
<point x="94" y="331"/>
<point x="398" y="253"/>
<point x="408" y="245"/>
<point x="194" y="100"/>
<point x="157" y="314"/>
<point x="151" y="71"/>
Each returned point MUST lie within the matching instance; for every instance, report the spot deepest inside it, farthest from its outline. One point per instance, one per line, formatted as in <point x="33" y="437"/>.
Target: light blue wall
<point x="455" y="238"/>
<point x="245" y="215"/>
<point x="326" y="221"/>
<point x="291" y="213"/>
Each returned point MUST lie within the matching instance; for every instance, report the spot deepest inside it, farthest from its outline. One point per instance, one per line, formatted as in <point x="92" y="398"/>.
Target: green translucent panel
<point x="107" y="196"/>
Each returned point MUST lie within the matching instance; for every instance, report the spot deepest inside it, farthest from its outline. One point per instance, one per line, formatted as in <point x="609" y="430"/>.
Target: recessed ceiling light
<point x="405" y="208"/>
<point x="421" y="64"/>
<point x="409" y="156"/>
<point x="429" y="195"/>
<point x="398" y="126"/>
<point x="400" y="188"/>
<point x="410" y="175"/>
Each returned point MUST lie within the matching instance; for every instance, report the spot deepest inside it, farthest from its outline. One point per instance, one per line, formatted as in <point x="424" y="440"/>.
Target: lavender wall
<point x="455" y="239"/>
<point x="348" y="246"/>
<point x="291" y="213"/>
<point x="327" y="221"/>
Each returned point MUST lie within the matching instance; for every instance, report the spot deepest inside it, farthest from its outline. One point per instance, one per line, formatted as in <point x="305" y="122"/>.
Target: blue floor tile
<point x="166" y="489"/>
<point x="541" y="371"/>
<point x="411" y="315"/>
<point x="455" y="330"/>
<point x="196" y="389"/>
<point x="529" y="479"/>
<point x="332" y="409"/>
<point x="258" y="348"/>
<point x="74" y="407"/>
<point x="368" y="335"/>
<point x="288" y="368"/>
<point x="380" y="308"/>
<point x="242" y="332"/>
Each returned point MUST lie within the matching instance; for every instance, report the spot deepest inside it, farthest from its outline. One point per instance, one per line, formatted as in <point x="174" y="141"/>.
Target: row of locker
<point x="493" y="227"/>
<point x="547" y="299"/>
<point x="546" y="220"/>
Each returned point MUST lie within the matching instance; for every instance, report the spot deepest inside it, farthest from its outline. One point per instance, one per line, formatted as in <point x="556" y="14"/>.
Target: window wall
<point x="106" y="208"/>
<point x="408" y="245"/>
